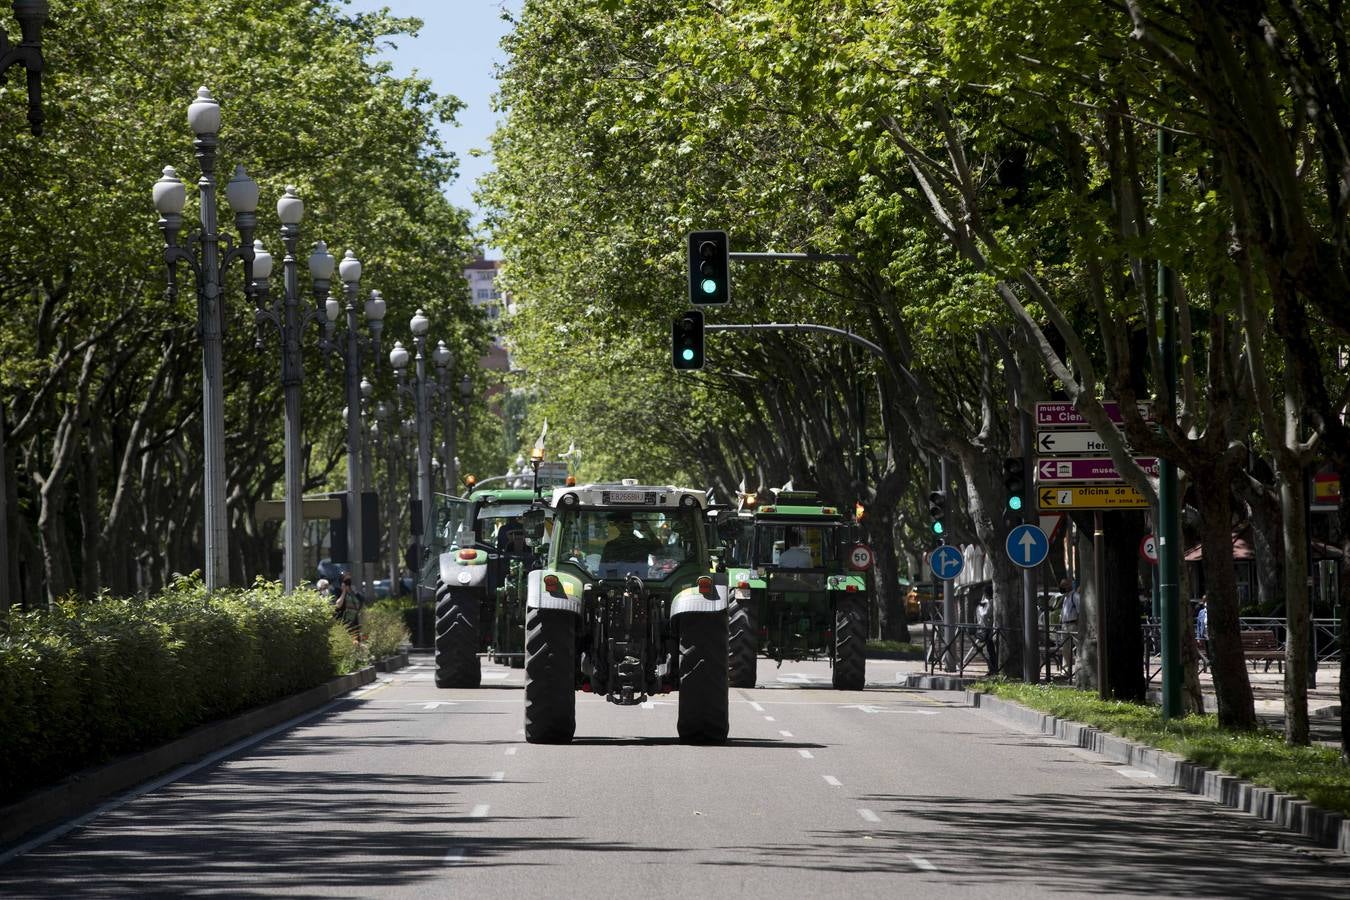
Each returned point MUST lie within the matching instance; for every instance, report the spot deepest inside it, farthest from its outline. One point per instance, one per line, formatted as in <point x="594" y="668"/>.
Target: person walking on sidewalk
<point x="1068" y="619"/>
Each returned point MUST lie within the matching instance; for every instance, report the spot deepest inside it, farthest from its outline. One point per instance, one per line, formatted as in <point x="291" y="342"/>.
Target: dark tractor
<point x="626" y="607"/>
<point x="792" y="594"/>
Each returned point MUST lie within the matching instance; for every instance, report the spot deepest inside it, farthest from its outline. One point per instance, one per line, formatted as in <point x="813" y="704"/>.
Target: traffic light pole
<point x="1030" y="664"/>
<point x="948" y="600"/>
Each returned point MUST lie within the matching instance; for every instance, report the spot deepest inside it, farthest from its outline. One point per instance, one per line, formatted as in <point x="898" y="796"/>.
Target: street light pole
<point x="443" y="359"/>
<point x="291" y="320"/>
<point x="208" y="268"/>
<point x="419" y="325"/>
<point x="32" y="15"/>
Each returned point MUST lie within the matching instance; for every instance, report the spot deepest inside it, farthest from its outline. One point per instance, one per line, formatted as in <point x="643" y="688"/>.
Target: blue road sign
<point x="1027" y="546"/>
<point x="946" y="562"/>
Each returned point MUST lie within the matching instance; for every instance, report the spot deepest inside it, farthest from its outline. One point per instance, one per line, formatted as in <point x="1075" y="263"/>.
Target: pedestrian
<point x="1202" y="620"/>
<point x="323" y="587"/>
<point x="347" y="607"/>
<point x="1068" y="619"/>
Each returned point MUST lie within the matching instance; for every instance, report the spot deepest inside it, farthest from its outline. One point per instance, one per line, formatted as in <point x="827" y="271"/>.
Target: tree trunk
<point x="1089" y="640"/>
<point x="1297" y="627"/>
<point x="886" y="584"/>
<point x="1233" y="690"/>
<point x="1122" y="532"/>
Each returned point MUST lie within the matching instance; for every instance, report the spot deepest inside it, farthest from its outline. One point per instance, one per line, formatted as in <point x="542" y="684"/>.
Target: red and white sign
<point x="1148" y="549"/>
<point x="860" y="558"/>
<point x="1051" y="524"/>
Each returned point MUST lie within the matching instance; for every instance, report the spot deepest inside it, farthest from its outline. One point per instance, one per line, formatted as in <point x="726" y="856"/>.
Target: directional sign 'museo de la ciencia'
<point x="1027" y="546"/>
<point x="1063" y="414"/>
<point x="1091" y="497"/>
<point x="1088" y="468"/>
<point x="946" y="562"/>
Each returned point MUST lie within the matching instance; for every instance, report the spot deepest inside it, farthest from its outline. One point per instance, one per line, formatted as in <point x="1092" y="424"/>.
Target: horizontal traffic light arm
<point x="795" y="257"/>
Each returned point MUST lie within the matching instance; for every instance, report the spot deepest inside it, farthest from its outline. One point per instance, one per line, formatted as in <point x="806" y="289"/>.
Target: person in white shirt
<point x="795" y="556"/>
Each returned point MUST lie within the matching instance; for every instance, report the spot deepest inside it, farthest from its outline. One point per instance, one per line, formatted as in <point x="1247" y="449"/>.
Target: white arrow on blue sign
<point x="946" y="562"/>
<point x="1027" y="546"/>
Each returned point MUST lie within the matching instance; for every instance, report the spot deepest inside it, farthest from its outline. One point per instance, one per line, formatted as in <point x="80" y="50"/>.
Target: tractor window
<point x="738" y="536"/>
<point x="450" y="523"/>
<point x="612" y="543"/>
<point x="792" y="545"/>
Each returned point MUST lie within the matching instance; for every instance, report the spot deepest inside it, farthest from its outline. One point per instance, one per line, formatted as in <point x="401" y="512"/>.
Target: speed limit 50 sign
<point x="861" y="557"/>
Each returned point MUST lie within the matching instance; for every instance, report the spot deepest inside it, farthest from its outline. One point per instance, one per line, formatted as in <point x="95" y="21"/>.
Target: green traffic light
<point x="937" y="528"/>
<point x="709" y="286"/>
<point x="1014" y="502"/>
<point x="688" y="354"/>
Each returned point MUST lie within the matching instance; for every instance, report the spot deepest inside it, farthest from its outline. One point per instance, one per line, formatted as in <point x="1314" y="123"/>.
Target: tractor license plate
<point x="626" y="497"/>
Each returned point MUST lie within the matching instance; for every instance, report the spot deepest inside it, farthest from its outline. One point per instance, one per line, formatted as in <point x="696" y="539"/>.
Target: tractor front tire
<point x="703" y="717"/>
<point x="456" y="638"/>
<point x="550" y="676"/>
<point x="742" y="644"/>
<point x="850" y="643"/>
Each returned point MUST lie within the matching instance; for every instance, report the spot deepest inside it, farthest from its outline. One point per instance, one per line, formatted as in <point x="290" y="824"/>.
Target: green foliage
<point x="384" y="629"/>
<point x="85" y="682"/>
<point x="1262" y="757"/>
<point x="346" y="651"/>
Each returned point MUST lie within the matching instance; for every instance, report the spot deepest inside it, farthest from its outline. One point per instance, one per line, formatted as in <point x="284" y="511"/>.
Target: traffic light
<point x="709" y="267"/>
<point x="1015" y="484"/>
<point x="686" y="340"/>
<point x="937" y="508"/>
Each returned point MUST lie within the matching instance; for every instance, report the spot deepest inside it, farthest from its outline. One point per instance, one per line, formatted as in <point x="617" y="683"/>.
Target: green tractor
<point x="793" y="592"/>
<point x="625" y="607"/>
<point x="480" y="573"/>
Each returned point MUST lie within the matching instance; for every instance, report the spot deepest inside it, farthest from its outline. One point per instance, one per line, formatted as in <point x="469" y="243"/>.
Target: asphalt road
<point x="406" y="790"/>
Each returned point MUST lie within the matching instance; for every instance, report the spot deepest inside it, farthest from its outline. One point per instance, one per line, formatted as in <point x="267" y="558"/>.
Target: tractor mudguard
<point x="692" y="600"/>
<point x="457" y="571"/>
<point x="568" y="598"/>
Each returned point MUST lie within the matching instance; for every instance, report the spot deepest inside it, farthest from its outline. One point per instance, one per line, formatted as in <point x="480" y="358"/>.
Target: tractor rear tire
<point x="456" y="638"/>
<point x="703" y="717"/>
<point x="850" y="643"/>
<point x="550" y="676"/>
<point x="742" y="644"/>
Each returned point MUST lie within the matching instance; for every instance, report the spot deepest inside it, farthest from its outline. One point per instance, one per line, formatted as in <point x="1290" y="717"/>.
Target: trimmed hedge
<point x="82" y="683"/>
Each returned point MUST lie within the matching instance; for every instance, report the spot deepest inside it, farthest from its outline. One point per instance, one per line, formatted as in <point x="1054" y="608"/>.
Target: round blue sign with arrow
<point x="1027" y="546"/>
<point x="946" y="562"/>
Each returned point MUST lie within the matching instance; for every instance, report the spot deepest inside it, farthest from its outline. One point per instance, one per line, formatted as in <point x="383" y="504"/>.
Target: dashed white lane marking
<point x="1137" y="774"/>
<point x="498" y="776"/>
<point x="770" y="719"/>
<point x="785" y="733"/>
<point x="831" y="781"/>
<point x="869" y="816"/>
<point x="756" y="707"/>
<point x="806" y="754"/>
<point x="922" y="864"/>
<point x="479" y="811"/>
<point x="455" y="856"/>
<point x="510" y="751"/>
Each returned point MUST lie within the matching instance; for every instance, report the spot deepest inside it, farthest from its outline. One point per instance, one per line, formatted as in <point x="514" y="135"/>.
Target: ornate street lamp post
<point x="202" y="254"/>
<point x="350" y="272"/>
<point x="422" y="506"/>
<point x="32" y="15"/>
<point x="445" y="388"/>
<point x="286" y="314"/>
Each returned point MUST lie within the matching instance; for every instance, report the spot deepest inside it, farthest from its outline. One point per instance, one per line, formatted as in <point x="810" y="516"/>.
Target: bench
<point x="1259" y="645"/>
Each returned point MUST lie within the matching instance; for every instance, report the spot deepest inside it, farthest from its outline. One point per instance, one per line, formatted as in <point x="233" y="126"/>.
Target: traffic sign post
<point x="861" y="557"/>
<point x="946" y="562"/>
<point x="1148" y="549"/>
<point x="1027" y="546"/>
<point x="1056" y="442"/>
<point x="1090" y="468"/>
<point x="1089" y="497"/>
<point x="1063" y="414"/>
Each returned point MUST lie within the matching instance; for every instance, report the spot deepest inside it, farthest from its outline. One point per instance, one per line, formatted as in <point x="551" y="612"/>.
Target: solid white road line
<point x="922" y="864"/>
<point x="806" y="754"/>
<point x="479" y="811"/>
<point x="831" y="781"/>
<point x="869" y="816"/>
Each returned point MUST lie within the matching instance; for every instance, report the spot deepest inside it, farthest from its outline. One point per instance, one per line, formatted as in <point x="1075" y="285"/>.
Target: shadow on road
<point x="1127" y="843"/>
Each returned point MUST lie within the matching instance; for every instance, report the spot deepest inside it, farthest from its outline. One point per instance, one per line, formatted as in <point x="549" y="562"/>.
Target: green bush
<point x="385" y="629"/>
<point x="346" y="652"/>
<point x="81" y="683"/>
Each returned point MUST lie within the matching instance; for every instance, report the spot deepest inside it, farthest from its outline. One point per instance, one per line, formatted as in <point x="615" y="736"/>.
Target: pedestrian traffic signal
<point x="937" y="508"/>
<point x="1015" y="484"/>
<point x="686" y="340"/>
<point x="709" y="267"/>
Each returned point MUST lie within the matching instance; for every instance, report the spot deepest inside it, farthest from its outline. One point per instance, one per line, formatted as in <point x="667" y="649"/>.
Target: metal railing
<point x="1326" y="638"/>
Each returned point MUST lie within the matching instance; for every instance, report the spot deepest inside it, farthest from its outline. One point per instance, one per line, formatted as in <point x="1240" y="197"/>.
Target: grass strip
<point x="896" y="647"/>
<point x="1315" y="773"/>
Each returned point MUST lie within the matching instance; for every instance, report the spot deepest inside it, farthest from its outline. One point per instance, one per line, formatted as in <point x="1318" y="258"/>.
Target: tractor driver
<point x="631" y="545"/>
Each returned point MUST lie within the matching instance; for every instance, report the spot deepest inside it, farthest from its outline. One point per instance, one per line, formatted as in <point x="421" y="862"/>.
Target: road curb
<point x="939" y="682"/>
<point x="79" y="792"/>
<point x="1323" y="827"/>
<point x="391" y="663"/>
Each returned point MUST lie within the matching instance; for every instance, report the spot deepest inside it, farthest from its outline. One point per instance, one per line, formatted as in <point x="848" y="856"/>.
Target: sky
<point x="456" y="49"/>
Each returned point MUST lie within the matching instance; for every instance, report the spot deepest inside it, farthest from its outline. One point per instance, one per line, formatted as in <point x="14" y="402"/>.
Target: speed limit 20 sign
<point x="860" y="557"/>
